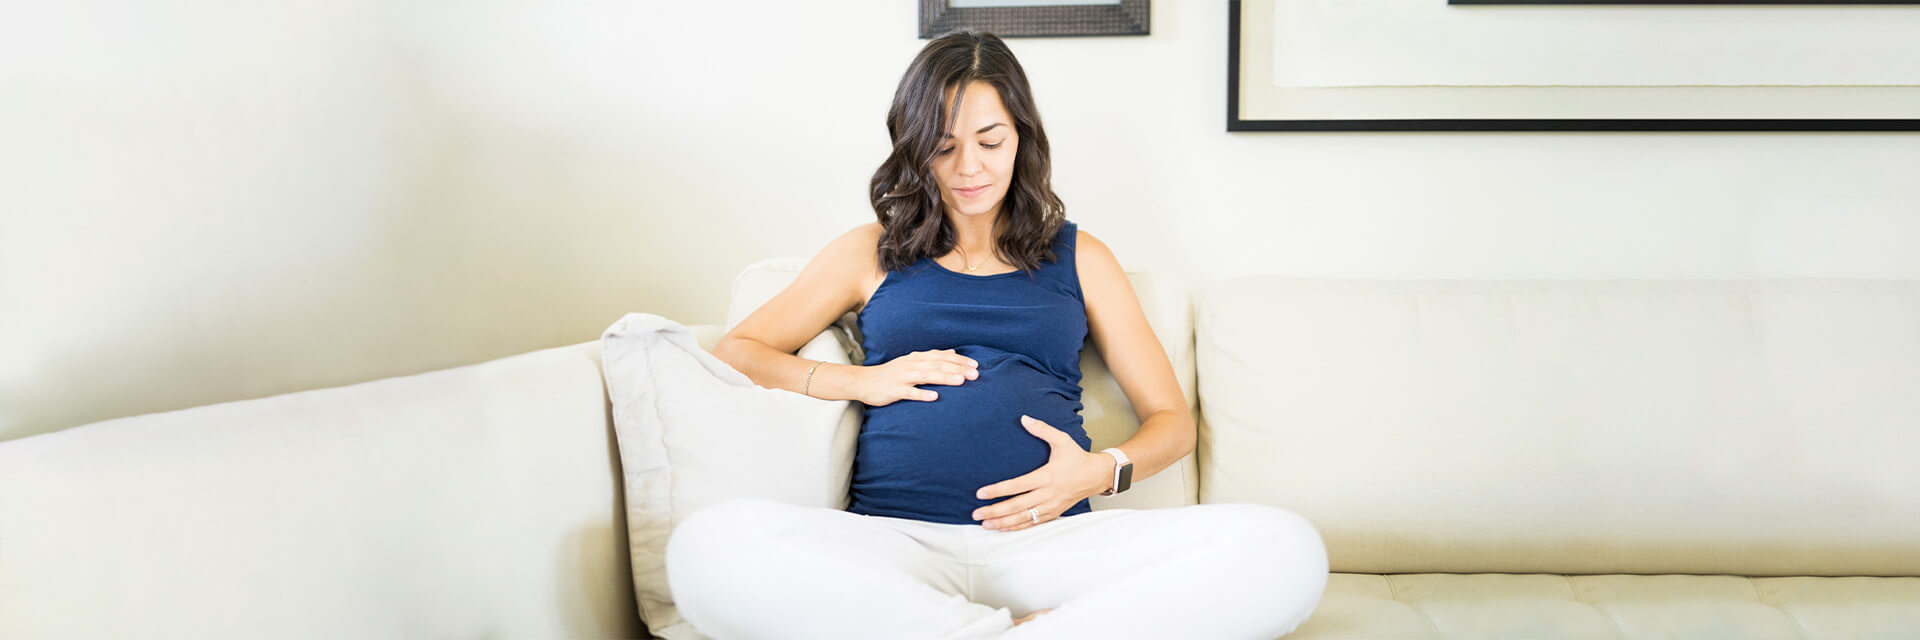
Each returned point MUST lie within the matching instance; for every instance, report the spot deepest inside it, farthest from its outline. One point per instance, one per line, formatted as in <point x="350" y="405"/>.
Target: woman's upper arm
<point x="1120" y="331"/>
<point x="832" y="283"/>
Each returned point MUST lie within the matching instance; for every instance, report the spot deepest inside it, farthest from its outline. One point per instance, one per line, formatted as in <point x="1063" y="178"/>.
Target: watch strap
<point x="1120" y="465"/>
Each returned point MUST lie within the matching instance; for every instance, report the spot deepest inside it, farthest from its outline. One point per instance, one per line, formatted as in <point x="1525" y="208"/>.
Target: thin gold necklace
<point x="964" y="259"/>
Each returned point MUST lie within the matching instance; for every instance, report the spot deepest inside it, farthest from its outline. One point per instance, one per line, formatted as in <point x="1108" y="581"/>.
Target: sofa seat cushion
<point x="1612" y="606"/>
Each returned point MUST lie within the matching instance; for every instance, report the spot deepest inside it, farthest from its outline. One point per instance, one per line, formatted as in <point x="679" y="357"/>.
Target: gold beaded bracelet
<point x="809" y="383"/>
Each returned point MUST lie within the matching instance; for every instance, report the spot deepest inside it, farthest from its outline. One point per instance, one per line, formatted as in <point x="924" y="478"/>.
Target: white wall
<point x="211" y="200"/>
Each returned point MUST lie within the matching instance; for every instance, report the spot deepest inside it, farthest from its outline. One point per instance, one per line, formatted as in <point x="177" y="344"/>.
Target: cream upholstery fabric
<point x="480" y="501"/>
<point x="1108" y="418"/>
<point x="1540" y="429"/>
<point x="1431" y="606"/>
<point x="1739" y="427"/>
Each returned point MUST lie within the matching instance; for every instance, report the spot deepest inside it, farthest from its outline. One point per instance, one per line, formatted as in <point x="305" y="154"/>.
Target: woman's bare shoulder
<point x="869" y="234"/>
<point x="856" y="250"/>
<point x="852" y="262"/>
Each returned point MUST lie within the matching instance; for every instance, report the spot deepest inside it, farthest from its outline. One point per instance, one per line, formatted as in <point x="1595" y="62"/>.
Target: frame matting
<point x="1256" y="103"/>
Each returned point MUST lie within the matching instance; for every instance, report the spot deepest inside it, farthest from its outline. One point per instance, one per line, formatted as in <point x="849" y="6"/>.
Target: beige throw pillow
<point x="692" y="431"/>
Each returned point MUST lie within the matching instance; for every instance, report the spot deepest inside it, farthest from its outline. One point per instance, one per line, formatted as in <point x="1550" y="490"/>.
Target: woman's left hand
<point x="1070" y="475"/>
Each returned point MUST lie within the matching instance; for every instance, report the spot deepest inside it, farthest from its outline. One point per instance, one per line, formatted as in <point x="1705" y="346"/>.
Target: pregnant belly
<point x="925" y="460"/>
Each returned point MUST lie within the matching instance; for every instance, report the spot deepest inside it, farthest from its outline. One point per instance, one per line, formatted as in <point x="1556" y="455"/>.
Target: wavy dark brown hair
<point x="905" y="195"/>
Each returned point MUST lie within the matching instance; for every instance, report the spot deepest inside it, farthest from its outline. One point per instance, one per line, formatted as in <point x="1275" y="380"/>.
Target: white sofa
<point x="1485" y="459"/>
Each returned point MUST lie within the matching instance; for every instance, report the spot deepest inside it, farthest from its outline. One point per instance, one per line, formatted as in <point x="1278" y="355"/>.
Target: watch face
<point x="1126" y="477"/>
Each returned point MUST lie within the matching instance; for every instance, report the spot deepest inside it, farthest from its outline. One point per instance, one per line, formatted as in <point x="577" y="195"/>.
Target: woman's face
<point x="974" y="163"/>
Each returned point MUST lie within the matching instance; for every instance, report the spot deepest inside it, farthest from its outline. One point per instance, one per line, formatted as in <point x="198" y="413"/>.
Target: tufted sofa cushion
<point x="1435" y="606"/>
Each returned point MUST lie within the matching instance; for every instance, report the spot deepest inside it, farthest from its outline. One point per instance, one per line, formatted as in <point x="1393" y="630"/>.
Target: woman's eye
<point x="983" y="145"/>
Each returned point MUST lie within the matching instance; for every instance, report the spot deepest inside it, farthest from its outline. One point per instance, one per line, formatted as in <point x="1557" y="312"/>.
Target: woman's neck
<point x="976" y="234"/>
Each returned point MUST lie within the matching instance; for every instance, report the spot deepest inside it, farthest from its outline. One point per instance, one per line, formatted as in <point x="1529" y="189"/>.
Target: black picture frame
<point x="1235" y="123"/>
<point x="1128" y="18"/>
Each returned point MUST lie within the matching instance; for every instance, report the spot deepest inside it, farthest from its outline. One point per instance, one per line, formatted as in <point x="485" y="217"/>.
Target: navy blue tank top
<point x="925" y="460"/>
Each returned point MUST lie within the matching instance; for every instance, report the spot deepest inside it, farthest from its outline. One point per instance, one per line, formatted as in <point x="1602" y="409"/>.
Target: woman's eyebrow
<point x="984" y="129"/>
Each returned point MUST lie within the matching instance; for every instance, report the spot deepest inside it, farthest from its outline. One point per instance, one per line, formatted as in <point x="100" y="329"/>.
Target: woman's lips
<point x="974" y="192"/>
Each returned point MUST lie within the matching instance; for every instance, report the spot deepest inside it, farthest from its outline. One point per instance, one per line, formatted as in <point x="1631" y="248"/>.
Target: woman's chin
<point x="975" y="210"/>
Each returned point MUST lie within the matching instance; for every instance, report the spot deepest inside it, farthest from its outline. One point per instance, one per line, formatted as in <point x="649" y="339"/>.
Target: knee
<point x="722" y="526"/>
<point x="1287" y="554"/>
<point x="1274" y="537"/>
<point x="715" y="536"/>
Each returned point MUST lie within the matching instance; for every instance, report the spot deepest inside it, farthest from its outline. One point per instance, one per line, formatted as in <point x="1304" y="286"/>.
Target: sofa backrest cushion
<point x="1107" y="415"/>
<point x="481" y="500"/>
<point x="1757" y="427"/>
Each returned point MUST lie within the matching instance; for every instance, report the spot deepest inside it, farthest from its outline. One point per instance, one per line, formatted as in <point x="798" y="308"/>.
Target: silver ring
<point x="1035" y="512"/>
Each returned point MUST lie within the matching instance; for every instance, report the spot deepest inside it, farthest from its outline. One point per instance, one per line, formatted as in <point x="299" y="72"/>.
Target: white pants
<point x="757" y="568"/>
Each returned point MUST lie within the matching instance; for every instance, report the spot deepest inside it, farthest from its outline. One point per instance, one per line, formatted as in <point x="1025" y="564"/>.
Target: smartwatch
<point x="1122" y="471"/>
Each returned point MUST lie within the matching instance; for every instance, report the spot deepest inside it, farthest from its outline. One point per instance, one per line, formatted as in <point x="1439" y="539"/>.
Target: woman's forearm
<point x="1162" y="440"/>
<point x="1167" y="436"/>
<point x="769" y="367"/>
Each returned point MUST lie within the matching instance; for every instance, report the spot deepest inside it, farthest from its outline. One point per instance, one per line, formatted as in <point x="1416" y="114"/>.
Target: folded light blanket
<point x="693" y="431"/>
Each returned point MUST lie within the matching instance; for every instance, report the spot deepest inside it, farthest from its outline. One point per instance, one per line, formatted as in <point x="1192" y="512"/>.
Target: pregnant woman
<point x="969" y="514"/>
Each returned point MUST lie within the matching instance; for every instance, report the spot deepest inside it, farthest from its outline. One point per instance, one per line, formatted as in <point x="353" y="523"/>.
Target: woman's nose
<point x="969" y="162"/>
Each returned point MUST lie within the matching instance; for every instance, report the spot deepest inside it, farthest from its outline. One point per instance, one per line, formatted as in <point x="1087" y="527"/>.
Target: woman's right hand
<point x="882" y="384"/>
